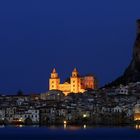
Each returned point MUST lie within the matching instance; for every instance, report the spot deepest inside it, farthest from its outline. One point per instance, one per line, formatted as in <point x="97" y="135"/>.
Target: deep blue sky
<point x="96" y="36"/>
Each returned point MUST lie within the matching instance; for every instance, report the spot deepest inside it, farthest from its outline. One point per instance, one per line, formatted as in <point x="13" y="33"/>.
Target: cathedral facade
<point x="76" y="83"/>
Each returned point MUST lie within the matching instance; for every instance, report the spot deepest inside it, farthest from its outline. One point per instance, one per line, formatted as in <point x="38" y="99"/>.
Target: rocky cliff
<point x="132" y="73"/>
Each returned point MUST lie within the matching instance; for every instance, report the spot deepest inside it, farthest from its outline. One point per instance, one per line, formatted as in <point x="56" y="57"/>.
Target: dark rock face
<point x="132" y="73"/>
<point x="135" y="65"/>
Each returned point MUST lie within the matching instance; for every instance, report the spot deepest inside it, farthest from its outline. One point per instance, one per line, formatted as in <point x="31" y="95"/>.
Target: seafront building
<point x="90" y="107"/>
<point x="84" y="104"/>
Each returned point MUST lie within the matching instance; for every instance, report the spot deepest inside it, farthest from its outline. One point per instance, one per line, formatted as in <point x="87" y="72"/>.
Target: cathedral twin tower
<point x="76" y="84"/>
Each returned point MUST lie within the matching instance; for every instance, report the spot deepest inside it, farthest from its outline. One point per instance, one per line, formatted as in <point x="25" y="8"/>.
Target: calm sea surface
<point x="69" y="133"/>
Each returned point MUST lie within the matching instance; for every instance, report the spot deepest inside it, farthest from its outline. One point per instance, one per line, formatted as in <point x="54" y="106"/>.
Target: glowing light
<point x="65" y="122"/>
<point x="20" y="120"/>
<point x="85" y="126"/>
<point x="137" y="126"/>
<point x="137" y="116"/>
<point x="65" y="126"/>
<point x="20" y="126"/>
<point x="84" y="115"/>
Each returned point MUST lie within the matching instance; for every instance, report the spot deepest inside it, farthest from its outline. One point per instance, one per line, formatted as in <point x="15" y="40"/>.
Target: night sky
<point x="96" y="36"/>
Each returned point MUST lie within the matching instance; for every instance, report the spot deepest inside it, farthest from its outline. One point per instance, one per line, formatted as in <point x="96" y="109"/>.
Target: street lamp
<point x="84" y="115"/>
<point x="65" y="122"/>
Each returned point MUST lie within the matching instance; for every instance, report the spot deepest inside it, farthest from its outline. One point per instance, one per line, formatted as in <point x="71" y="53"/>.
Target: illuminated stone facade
<point x="137" y="112"/>
<point x="76" y="83"/>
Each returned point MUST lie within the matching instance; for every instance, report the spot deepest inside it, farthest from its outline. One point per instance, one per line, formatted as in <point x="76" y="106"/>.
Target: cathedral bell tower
<point x="75" y="73"/>
<point x="54" y="81"/>
<point x="75" y="81"/>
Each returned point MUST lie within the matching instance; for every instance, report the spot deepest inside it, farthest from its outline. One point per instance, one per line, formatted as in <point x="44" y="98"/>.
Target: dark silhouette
<point x="132" y="73"/>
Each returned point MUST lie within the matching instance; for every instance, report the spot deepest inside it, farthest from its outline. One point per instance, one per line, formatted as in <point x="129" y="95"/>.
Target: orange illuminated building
<point x="137" y="112"/>
<point x="137" y="116"/>
<point x="76" y="84"/>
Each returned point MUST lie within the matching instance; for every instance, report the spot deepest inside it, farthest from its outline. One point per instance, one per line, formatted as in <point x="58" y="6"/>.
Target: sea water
<point x="69" y="133"/>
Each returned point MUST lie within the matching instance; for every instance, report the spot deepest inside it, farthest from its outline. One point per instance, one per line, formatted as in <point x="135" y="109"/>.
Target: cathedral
<point x="75" y="84"/>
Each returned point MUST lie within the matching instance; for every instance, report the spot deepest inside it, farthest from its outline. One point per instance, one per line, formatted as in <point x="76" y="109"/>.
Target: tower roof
<point x="75" y="70"/>
<point x="54" y="70"/>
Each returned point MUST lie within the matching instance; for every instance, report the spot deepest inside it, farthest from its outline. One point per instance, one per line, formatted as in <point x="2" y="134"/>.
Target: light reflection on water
<point x="20" y="126"/>
<point x="71" y="127"/>
<point x="65" y="124"/>
<point x="2" y="126"/>
<point x="85" y="126"/>
<point x="137" y="126"/>
<point x="71" y="133"/>
<point x="65" y="127"/>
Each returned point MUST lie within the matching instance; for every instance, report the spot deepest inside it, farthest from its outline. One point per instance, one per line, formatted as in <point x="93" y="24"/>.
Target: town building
<point x="122" y="90"/>
<point x="76" y="84"/>
<point x="137" y="112"/>
<point x="52" y="95"/>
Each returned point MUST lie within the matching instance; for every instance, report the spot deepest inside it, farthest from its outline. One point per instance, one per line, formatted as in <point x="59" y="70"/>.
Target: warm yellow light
<point x="20" y="126"/>
<point x="65" y="122"/>
<point x="65" y="126"/>
<point x="85" y="126"/>
<point x="20" y="120"/>
<point x="137" y="126"/>
<point x="84" y="115"/>
<point x="137" y="119"/>
<point x="137" y="116"/>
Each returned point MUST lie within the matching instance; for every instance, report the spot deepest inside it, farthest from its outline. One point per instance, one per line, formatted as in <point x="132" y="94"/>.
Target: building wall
<point x="33" y="114"/>
<point x="54" y="83"/>
<point x="77" y="84"/>
<point x="66" y="88"/>
<point x="137" y="117"/>
<point x="137" y="112"/>
<point x="88" y="82"/>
